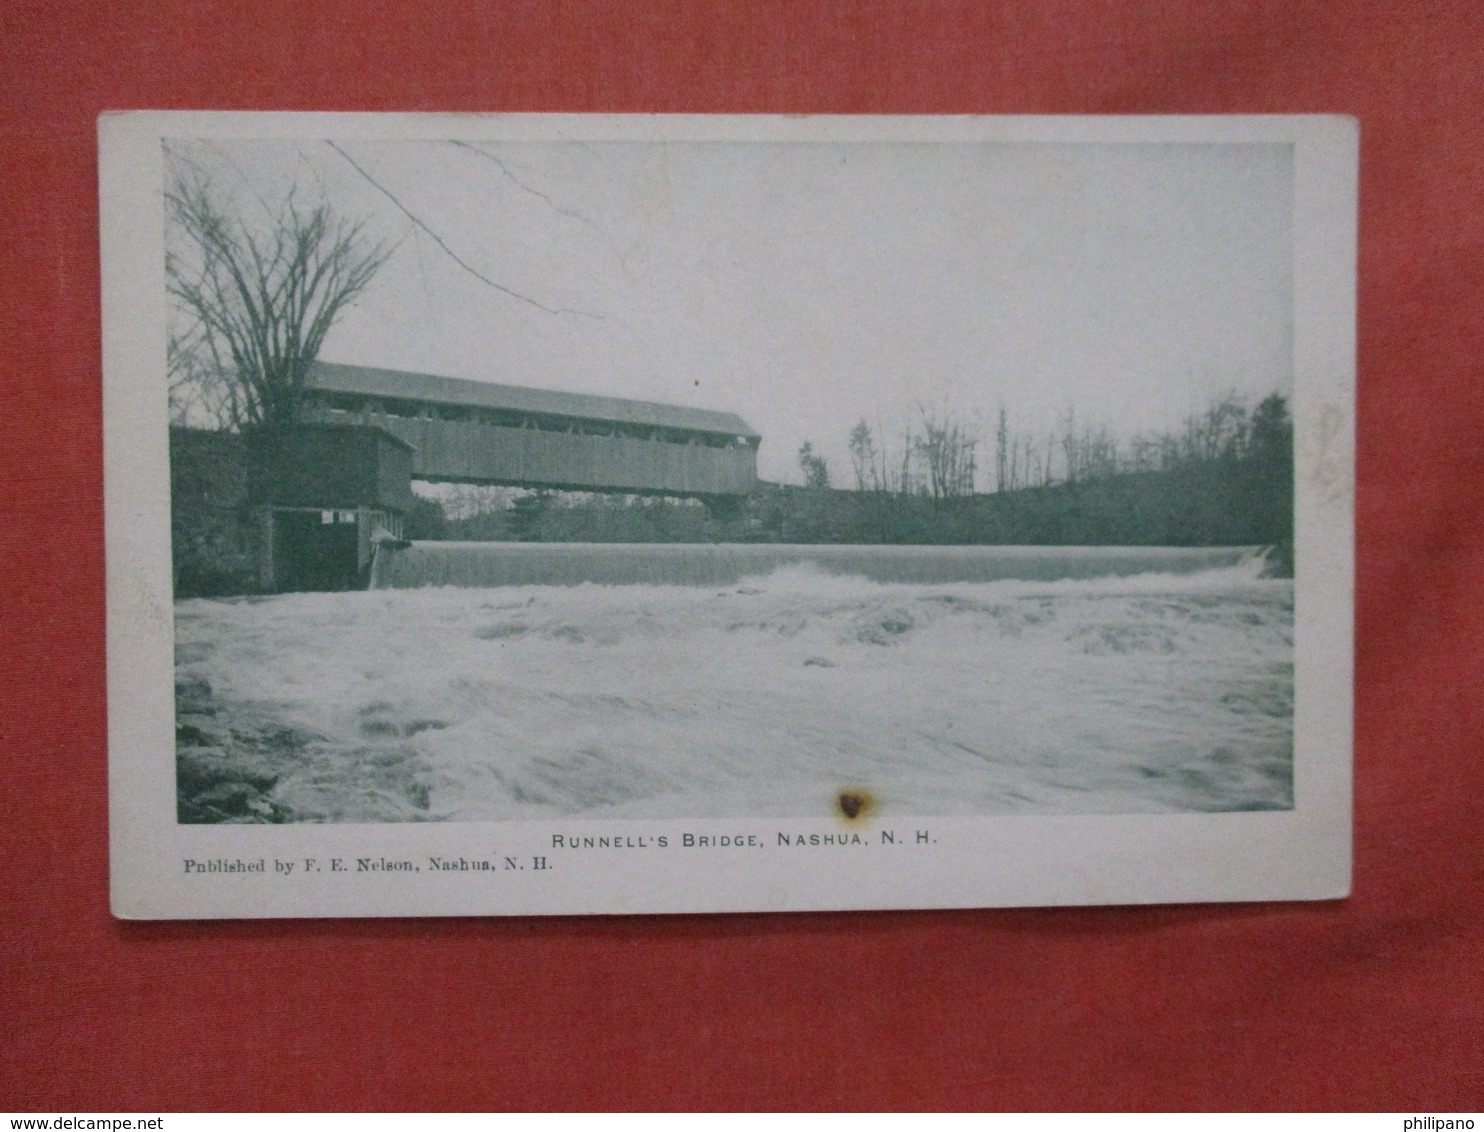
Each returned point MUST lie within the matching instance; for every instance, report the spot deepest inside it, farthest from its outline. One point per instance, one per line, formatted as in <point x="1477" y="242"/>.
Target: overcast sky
<point x="806" y="286"/>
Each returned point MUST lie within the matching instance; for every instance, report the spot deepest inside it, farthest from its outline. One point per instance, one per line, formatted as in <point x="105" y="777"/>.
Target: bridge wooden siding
<point x="545" y="439"/>
<point x="468" y="452"/>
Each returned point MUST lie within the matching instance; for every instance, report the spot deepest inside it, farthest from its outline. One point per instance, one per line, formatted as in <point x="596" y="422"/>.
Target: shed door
<point x="315" y="550"/>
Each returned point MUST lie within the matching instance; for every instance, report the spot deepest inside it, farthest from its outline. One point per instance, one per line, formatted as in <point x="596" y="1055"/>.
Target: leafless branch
<point x="453" y="255"/>
<point x="505" y="169"/>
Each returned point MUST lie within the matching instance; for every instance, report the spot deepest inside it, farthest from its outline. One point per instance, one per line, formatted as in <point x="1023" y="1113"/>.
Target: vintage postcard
<point x="533" y="514"/>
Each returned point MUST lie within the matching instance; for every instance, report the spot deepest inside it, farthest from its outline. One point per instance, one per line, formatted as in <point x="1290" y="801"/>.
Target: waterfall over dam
<point x="486" y="564"/>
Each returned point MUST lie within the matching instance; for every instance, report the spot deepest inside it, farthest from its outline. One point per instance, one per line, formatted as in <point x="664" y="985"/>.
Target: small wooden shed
<point x="322" y="492"/>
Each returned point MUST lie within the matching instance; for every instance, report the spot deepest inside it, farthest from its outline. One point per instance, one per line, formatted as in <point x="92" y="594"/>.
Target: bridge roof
<point x="370" y="382"/>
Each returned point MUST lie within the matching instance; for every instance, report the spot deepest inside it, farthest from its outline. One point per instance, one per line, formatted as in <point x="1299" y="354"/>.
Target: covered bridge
<point x="476" y="432"/>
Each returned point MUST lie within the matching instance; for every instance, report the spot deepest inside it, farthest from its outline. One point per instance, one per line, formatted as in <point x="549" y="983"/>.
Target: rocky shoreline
<point x="234" y="765"/>
<point x="227" y="773"/>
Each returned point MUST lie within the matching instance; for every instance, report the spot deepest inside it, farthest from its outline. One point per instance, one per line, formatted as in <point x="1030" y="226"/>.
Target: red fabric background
<point x="1374" y="1002"/>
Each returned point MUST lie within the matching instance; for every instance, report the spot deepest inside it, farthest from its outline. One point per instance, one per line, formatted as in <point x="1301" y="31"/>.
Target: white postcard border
<point x="927" y="862"/>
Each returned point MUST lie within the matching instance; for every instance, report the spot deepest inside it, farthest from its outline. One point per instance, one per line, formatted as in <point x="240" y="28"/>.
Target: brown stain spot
<point x="854" y="803"/>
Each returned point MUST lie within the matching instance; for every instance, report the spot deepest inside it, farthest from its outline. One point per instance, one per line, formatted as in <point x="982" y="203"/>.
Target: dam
<point x="488" y="564"/>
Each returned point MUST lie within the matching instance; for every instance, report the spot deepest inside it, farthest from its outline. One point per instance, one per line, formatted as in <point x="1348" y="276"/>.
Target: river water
<point x="763" y="696"/>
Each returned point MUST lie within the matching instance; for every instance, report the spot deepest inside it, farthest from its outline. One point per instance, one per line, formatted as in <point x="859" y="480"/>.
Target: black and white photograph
<point x="783" y="484"/>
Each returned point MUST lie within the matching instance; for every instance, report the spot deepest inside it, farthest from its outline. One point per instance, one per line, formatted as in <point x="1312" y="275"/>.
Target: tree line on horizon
<point x="937" y="454"/>
<point x="1223" y="477"/>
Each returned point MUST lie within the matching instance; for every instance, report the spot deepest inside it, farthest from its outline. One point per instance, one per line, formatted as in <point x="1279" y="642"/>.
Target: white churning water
<point x="1156" y="691"/>
<point x="486" y="564"/>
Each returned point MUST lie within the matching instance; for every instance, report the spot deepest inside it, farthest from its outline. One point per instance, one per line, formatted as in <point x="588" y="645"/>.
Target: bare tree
<point x="1068" y="446"/>
<point x="257" y="302"/>
<point x="1004" y="476"/>
<point x="946" y="448"/>
<point x="198" y="390"/>
<point x="863" y="456"/>
<point x="816" y="472"/>
<point x="882" y="476"/>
